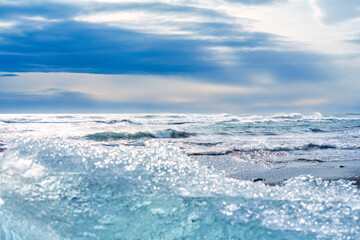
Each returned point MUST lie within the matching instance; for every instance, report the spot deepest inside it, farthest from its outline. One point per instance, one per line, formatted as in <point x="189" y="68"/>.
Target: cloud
<point x="69" y="46"/>
<point x="59" y="101"/>
<point x="298" y="23"/>
<point x="213" y="54"/>
<point x="126" y="88"/>
<point x="8" y="75"/>
<point x="77" y="47"/>
<point x="160" y="19"/>
<point x="61" y="92"/>
<point x="6" y="24"/>
<point x="336" y="11"/>
<point x="75" y="102"/>
<point x="309" y="102"/>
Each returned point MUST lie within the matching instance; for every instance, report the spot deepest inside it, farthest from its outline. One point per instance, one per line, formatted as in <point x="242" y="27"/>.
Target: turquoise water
<point x="178" y="176"/>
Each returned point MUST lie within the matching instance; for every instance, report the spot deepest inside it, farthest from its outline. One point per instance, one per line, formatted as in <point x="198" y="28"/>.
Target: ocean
<point x="179" y="176"/>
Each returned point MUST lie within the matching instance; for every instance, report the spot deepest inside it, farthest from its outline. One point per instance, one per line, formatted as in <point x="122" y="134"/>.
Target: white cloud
<point x="262" y="92"/>
<point x="308" y="102"/>
<point x="6" y="24"/>
<point x="300" y="23"/>
<point x="10" y="2"/>
<point x="37" y="18"/>
<point x="297" y="21"/>
<point x="224" y="55"/>
<point x="335" y="11"/>
<point x="158" y="22"/>
<point x="263" y="79"/>
<point x="143" y="21"/>
<point x="126" y="88"/>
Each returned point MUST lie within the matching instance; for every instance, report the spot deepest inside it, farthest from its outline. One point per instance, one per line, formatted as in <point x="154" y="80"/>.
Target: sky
<point x="205" y="56"/>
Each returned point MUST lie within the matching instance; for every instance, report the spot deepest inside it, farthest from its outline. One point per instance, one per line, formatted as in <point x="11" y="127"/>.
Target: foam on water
<point x="61" y="189"/>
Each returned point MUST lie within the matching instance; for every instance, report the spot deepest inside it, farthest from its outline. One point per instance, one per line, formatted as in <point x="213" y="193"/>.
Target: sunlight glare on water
<point x="78" y="178"/>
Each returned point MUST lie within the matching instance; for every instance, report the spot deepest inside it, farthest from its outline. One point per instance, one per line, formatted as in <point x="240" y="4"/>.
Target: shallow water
<point x="179" y="176"/>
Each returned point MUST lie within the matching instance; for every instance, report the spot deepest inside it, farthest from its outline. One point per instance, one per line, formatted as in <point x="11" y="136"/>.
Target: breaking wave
<point x="119" y="121"/>
<point x="169" y="133"/>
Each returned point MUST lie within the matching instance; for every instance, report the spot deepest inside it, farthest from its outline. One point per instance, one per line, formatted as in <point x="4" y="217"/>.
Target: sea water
<point x="179" y="176"/>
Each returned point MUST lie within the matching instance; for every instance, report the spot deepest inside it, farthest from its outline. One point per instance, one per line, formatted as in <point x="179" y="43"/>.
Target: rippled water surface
<point x="179" y="176"/>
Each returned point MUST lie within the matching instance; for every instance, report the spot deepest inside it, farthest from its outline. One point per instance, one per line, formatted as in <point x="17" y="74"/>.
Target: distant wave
<point x="212" y="153"/>
<point x="176" y="116"/>
<point x="316" y="130"/>
<point x="305" y="147"/>
<point x="309" y="146"/>
<point x="65" y="117"/>
<point x="207" y="144"/>
<point x="148" y="116"/>
<point x="119" y="121"/>
<point x="178" y="123"/>
<point x="289" y="116"/>
<point x="22" y="120"/>
<point x="233" y="120"/>
<point x="274" y="118"/>
<point x="269" y="133"/>
<point x="352" y="113"/>
<point x="169" y="133"/>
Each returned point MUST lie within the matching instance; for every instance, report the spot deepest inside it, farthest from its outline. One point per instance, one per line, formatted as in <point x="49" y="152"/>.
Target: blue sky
<point x="179" y="56"/>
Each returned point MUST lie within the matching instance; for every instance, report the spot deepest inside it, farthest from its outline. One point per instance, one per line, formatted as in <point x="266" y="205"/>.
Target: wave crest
<point x="119" y="121"/>
<point x="107" y="136"/>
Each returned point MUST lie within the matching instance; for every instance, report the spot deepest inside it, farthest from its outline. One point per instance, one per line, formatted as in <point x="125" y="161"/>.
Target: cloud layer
<point x="180" y="55"/>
